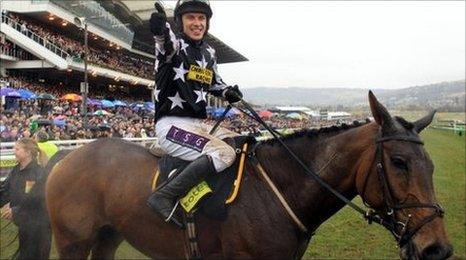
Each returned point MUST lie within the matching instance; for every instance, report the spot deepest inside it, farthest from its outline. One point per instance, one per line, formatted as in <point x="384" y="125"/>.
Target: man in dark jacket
<point x="186" y="70"/>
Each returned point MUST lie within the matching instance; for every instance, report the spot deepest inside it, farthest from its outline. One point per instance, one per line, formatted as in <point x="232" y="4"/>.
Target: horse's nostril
<point x="437" y="251"/>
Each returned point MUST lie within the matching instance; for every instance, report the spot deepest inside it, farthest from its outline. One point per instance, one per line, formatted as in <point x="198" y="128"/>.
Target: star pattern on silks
<point x="183" y="46"/>
<point x="201" y="95"/>
<point x="211" y="51"/>
<point x="156" y="94"/>
<point x="180" y="73"/>
<point x="177" y="101"/>
<point x="202" y="63"/>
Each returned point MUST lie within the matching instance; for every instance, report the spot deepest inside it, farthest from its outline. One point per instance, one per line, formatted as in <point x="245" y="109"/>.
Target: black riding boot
<point x="163" y="200"/>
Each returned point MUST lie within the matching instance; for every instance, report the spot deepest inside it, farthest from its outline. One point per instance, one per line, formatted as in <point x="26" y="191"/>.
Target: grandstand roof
<point x="136" y="15"/>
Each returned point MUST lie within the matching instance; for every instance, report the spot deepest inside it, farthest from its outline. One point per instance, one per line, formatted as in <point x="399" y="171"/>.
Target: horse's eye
<point x="399" y="163"/>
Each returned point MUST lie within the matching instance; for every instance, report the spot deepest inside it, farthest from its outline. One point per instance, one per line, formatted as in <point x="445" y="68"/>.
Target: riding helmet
<point x="192" y="6"/>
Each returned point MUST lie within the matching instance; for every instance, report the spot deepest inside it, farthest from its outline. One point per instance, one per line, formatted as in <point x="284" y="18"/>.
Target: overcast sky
<point x="367" y="44"/>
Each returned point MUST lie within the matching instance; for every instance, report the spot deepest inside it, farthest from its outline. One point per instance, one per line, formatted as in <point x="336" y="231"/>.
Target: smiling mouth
<point x="197" y="30"/>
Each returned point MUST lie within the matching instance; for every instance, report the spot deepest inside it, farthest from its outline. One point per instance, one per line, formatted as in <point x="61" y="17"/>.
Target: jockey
<point x="186" y="70"/>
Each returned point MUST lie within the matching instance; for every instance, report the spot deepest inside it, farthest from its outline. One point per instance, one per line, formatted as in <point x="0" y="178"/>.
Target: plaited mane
<point x="313" y="133"/>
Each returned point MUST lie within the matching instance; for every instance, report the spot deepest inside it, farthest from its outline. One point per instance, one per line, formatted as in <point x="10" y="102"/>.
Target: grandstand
<point x="42" y="51"/>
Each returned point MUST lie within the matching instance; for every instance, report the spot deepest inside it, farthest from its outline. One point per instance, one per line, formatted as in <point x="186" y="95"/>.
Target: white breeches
<point x="189" y="138"/>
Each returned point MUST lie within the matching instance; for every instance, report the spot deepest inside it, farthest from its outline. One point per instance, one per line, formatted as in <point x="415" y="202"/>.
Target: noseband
<point x="388" y="218"/>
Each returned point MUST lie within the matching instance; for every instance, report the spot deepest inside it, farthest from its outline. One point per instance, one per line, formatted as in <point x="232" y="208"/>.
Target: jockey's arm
<point x="166" y="46"/>
<point x="218" y="86"/>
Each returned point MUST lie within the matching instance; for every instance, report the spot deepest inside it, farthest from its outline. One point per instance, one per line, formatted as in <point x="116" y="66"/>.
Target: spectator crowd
<point x="62" y="119"/>
<point x="59" y="89"/>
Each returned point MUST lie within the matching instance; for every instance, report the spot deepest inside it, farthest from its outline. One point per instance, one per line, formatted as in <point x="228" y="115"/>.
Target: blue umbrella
<point x="119" y="103"/>
<point x="149" y="105"/>
<point x="107" y="103"/>
<point x="210" y="110"/>
<point x="93" y="102"/>
<point x="219" y="112"/>
<point x="27" y="94"/>
<point x="13" y="94"/>
<point x="6" y="92"/>
<point x="59" y="122"/>
<point x="137" y="105"/>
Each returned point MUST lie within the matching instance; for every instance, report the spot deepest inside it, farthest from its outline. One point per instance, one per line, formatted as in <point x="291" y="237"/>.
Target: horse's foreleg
<point x="73" y="243"/>
<point x="106" y="244"/>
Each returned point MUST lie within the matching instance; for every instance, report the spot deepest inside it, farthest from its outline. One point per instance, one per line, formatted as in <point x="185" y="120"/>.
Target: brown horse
<point x="96" y="196"/>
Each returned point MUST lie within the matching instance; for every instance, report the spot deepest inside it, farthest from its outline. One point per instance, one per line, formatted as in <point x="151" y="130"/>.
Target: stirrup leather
<point x="173" y="211"/>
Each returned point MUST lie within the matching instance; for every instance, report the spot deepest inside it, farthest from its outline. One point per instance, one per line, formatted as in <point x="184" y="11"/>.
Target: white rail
<point x="35" y="37"/>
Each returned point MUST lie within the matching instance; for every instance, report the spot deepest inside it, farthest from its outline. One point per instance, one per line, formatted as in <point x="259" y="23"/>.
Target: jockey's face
<point x="194" y="25"/>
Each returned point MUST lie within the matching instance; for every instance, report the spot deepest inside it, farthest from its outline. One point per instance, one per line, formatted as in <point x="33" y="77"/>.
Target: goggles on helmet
<point x="194" y="6"/>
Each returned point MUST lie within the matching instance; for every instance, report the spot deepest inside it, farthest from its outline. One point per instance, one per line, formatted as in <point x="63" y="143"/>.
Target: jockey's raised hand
<point x="233" y="94"/>
<point x="158" y="20"/>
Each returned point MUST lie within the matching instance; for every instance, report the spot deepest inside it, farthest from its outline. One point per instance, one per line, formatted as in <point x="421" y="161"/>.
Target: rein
<point x="392" y="224"/>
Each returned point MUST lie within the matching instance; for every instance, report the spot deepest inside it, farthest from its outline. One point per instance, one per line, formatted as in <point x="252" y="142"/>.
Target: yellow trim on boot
<point x="190" y="200"/>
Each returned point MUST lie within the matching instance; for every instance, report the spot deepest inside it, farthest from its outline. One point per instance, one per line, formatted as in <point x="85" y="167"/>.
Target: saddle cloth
<point x="217" y="190"/>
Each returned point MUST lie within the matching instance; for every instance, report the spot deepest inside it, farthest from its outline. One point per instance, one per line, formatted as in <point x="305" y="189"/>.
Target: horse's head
<point x="398" y="185"/>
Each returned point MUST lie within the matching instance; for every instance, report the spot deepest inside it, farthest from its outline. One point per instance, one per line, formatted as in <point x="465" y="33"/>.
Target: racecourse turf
<point x="347" y="235"/>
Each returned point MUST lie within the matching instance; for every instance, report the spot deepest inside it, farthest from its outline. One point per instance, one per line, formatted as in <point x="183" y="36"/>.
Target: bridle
<point x="388" y="217"/>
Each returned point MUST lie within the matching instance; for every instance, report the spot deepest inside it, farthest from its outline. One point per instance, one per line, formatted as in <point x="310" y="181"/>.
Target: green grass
<point x="415" y="115"/>
<point x="347" y="235"/>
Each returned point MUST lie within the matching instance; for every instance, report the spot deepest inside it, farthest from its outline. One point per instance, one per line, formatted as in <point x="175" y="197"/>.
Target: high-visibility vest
<point x="48" y="148"/>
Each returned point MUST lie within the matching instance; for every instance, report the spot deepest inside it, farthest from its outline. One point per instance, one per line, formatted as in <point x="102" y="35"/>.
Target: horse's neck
<point x="335" y="157"/>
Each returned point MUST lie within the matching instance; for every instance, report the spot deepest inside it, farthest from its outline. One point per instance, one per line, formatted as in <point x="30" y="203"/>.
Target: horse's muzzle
<point x="435" y="251"/>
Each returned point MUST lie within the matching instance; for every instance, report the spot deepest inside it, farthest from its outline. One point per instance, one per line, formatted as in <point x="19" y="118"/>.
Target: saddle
<point x="213" y="194"/>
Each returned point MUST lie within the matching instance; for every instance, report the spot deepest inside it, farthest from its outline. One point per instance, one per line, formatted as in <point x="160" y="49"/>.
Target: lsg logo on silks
<point x="187" y="139"/>
<point x="199" y="74"/>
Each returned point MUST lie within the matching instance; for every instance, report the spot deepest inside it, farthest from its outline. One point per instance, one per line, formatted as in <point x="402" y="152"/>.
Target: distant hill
<point x="448" y="96"/>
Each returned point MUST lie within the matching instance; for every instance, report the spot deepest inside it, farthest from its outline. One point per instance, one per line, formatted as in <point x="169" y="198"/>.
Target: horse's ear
<point x="379" y="112"/>
<point x="422" y="123"/>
